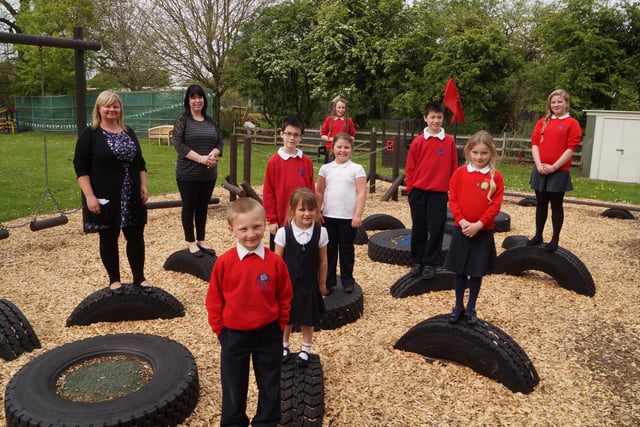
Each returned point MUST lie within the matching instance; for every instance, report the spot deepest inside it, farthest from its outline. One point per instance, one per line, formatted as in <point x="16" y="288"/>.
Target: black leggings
<point x="110" y="255"/>
<point x="543" y="198"/>
<point x="195" y="204"/>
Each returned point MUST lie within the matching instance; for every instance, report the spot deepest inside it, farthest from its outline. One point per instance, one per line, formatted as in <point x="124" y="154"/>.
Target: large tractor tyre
<point x="341" y="308"/>
<point x="565" y="268"/>
<point x="485" y="348"/>
<point x="16" y="334"/>
<point x="302" y="393"/>
<point x="513" y="241"/>
<point x="617" y="213"/>
<point x="110" y="380"/>
<point x="394" y="247"/>
<point x="408" y="286"/>
<point x="376" y="222"/>
<point x="130" y="302"/>
<point x="183" y="262"/>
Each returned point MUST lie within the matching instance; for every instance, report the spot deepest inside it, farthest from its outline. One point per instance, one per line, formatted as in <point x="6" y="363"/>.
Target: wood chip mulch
<point x="586" y="350"/>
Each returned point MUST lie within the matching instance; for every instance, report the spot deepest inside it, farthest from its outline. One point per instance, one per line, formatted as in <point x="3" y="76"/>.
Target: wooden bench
<point x="161" y="134"/>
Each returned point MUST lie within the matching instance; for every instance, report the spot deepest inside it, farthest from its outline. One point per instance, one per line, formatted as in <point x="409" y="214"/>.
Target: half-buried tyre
<point x="376" y="222"/>
<point x="302" y="393"/>
<point x="16" y="334"/>
<point x="341" y="308"/>
<point x="565" y="268"/>
<point x="617" y="213"/>
<point x="407" y="285"/>
<point x="128" y="303"/>
<point x="111" y="380"/>
<point x="485" y="348"/>
<point x="394" y="247"/>
<point x="527" y="202"/>
<point x="183" y="262"/>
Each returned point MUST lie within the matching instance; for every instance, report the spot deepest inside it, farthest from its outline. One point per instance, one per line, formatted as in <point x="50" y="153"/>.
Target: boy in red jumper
<point x="286" y="170"/>
<point x="431" y="160"/>
<point x="248" y="305"/>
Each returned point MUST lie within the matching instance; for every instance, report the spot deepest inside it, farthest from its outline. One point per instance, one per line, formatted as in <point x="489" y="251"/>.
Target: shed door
<point x="620" y="151"/>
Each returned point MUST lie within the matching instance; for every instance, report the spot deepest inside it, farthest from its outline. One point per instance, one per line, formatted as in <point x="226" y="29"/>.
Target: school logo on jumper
<point x="441" y="151"/>
<point x="301" y="171"/>
<point x="262" y="281"/>
<point x="484" y="185"/>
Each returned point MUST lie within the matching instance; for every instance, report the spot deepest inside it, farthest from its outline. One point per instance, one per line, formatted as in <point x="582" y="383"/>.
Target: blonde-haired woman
<point x="112" y="175"/>
<point x="336" y="123"/>
<point x="475" y="197"/>
<point x="554" y="140"/>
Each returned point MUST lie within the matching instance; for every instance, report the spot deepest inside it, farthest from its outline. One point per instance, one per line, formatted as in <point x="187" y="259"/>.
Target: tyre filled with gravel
<point x="394" y="247"/>
<point x="166" y="395"/>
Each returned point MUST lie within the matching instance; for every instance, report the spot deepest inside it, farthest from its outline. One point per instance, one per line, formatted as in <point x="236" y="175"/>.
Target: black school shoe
<point x="456" y="314"/>
<point x="428" y="272"/>
<point x="472" y="317"/>
<point x="416" y="270"/>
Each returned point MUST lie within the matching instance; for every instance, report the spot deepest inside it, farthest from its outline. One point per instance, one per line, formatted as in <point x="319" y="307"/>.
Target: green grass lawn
<point x="22" y="168"/>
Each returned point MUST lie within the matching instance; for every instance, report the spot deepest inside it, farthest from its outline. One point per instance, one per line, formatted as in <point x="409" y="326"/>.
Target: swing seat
<point x="41" y="224"/>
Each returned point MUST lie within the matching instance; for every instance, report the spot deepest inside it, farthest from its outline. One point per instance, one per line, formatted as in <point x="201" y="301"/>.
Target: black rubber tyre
<point x="302" y="393"/>
<point x="408" y="286"/>
<point x="485" y="348"/>
<point x="394" y="247"/>
<point x="502" y="222"/>
<point x="16" y="334"/>
<point x="376" y="222"/>
<point x="566" y="268"/>
<point x="341" y="308"/>
<point x="618" y="214"/>
<point x="183" y="262"/>
<point x="131" y="303"/>
<point x="527" y="201"/>
<point x="167" y="399"/>
<point x="513" y="241"/>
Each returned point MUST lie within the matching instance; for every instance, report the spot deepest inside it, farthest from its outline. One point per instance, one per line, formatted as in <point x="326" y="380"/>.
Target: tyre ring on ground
<point x="166" y="399"/>
<point x="183" y="262"/>
<point x="302" y="393"/>
<point x="376" y="222"/>
<point x="341" y="308"/>
<point x="565" y="268"/>
<point x="485" y="348"/>
<point x="618" y="214"/>
<point x="527" y="201"/>
<point x="16" y="334"/>
<point x="131" y="303"/>
<point x="394" y="247"/>
<point x="408" y="286"/>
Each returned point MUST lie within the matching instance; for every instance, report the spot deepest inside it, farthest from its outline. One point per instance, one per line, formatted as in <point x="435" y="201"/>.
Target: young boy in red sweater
<point x="248" y="305"/>
<point x="289" y="168"/>
<point x="431" y="160"/>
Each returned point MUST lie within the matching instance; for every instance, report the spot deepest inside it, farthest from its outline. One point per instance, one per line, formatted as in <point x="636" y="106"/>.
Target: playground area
<point x="585" y="349"/>
<point x="9" y="122"/>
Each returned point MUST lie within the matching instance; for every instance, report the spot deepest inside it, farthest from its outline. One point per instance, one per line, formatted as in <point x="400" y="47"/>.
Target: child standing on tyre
<point x="289" y="168"/>
<point x="431" y="160"/>
<point x="342" y="193"/>
<point x="303" y="245"/>
<point x="248" y="305"/>
<point x="475" y="197"/>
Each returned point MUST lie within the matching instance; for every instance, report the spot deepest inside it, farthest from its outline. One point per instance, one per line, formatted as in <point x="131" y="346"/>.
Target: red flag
<point x="452" y="101"/>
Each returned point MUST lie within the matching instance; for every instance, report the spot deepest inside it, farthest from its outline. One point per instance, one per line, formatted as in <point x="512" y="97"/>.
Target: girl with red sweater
<point x="475" y="197"/>
<point x="554" y="140"/>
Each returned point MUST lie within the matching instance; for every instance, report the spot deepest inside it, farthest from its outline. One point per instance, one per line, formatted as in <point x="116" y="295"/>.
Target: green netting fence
<point x="142" y="110"/>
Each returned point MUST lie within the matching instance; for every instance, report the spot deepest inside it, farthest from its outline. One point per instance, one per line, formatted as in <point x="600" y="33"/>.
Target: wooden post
<point x="233" y="163"/>
<point x="246" y="174"/>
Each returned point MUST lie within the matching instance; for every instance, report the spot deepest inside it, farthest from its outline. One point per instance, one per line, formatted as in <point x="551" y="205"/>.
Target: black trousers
<point x="341" y="238"/>
<point x="110" y="254"/>
<point x="264" y="348"/>
<point x="195" y="197"/>
<point x="429" y="217"/>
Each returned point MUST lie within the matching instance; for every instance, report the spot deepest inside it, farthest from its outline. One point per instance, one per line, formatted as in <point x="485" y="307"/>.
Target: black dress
<point x="303" y="263"/>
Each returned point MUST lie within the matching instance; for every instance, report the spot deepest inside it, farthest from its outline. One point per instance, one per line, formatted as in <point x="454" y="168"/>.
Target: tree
<point x="127" y="56"/>
<point x="195" y="37"/>
<point x="51" y="19"/>
<point x="270" y="62"/>
<point x="9" y="11"/>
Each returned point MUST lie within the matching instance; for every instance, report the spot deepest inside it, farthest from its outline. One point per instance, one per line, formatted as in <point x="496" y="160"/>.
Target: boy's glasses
<point x="292" y="134"/>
